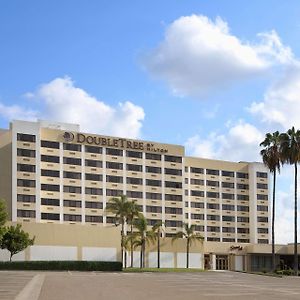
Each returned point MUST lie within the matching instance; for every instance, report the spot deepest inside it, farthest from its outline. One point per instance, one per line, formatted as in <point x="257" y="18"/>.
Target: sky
<point x="214" y="76"/>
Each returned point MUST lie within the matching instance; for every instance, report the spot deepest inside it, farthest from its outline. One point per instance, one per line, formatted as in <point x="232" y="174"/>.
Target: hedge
<point x="62" y="265"/>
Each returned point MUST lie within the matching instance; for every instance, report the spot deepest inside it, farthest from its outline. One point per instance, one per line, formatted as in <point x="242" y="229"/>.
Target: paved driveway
<point x="189" y="286"/>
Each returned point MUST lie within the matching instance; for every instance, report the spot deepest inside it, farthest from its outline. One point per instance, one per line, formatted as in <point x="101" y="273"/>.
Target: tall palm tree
<point x="134" y="212"/>
<point x="271" y="156"/>
<point x="190" y="236"/>
<point x="290" y="148"/>
<point x="157" y="229"/>
<point x="119" y="206"/>
<point x="142" y="237"/>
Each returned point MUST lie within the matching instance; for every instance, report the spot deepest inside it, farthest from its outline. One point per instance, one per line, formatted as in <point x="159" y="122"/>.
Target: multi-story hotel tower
<point x="53" y="173"/>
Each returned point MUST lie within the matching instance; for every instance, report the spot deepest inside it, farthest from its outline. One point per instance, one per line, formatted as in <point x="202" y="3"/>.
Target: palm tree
<point x="119" y="206"/>
<point x="134" y="212"/>
<point x="290" y="148"/>
<point x="157" y="229"/>
<point x="271" y="156"/>
<point x="142" y="237"/>
<point x="190" y="236"/>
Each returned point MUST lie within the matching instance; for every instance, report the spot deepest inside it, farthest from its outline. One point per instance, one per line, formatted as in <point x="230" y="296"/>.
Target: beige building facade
<point x="57" y="181"/>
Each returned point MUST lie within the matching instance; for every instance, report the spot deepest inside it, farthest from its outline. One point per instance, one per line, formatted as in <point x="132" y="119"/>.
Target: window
<point x="134" y="154"/>
<point x="50" y="202"/>
<point x="243" y="197"/>
<point x="95" y="205"/>
<point x="114" y="152"/>
<point x="197" y="181"/>
<point x="243" y="240"/>
<point x="25" y="152"/>
<point x="50" y="173"/>
<point x="228" y="218"/>
<point x="50" y="187"/>
<point x="197" y="204"/>
<point x="134" y="194"/>
<point x="93" y="177"/>
<point x="26" y="168"/>
<point x="176" y="159"/>
<point x="261" y="175"/>
<point x="242" y="175"/>
<point x="212" y="195"/>
<point x="153" y="156"/>
<point x="153" y="169"/>
<point x="213" y="206"/>
<point x="263" y="230"/>
<point x="153" y="209"/>
<point x="26" y="137"/>
<point x="22" y="213"/>
<point x="133" y="180"/>
<point x="242" y="208"/>
<point x="172" y="184"/>
<point x="114" y="193"/>
<point x="93" y="219"/>
<point x="213" y="239"/>
<point x="228" y="240"/>
<point x="197" y="170"/>
<point x="262" y="186"/>
<point x="72" y="218"/>
<point x="114" y="165"/>
<point x="72" y="147"/>
<point x="171" y="197"/>
<point x="262" y="197"/>
<point x="115" y="179"/>
<point x="93" y="149"/>
<point x="93" y="191"/>
<point x="50" y="144"/>
<point x="228" y="229"/>
<point x="243" y="230"/>
<point x="242" y="186"/>
<point x="198" y="227"/>
<point x="262" y="241"/>
<point x="197" y="193"/>
<point x="49" y="216"/>
<point x="72" y="175"/>
<point x="175" y="172"/>
<point x="227" y="196"/>
<point x="26" y="183"/>
<point x="93" y="163"/>
<point x="197" y="216"/>
<point x="50" y="158"/>
<point x="154" y="196"/>
<point x="72" y="189"/>
<point x="26" y="198"/>
<point x="228" y="185"/>
<point x="135" y="168"/>
<point x="110" y="220"/>
<point x="262" y="208"/>
<point x="72" y="161"/>
<point x="243" y="219"/>
<point x="213" y="229"/>
<point x="152" y="182"/>
<point x="212" y="183"/>
<point x="213" y="218"/>
<point x="227" y="207"/>
<point x="212" y="172"/>
<point x="170" y="223"/>
<point x="72" y="203"/>
<point x="228" y="173"/>
<point x="173" y="210"/>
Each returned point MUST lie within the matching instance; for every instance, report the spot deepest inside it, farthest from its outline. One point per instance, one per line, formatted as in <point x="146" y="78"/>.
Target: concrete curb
<point x="32" y="289"/>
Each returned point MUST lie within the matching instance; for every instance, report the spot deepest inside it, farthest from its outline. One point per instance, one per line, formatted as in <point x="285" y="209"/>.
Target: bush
<point x="287" y="272"/>
<point x="62" y="265"/>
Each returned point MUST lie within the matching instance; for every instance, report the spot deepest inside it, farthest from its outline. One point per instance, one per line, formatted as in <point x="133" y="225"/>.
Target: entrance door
<point x="222" y="262"/>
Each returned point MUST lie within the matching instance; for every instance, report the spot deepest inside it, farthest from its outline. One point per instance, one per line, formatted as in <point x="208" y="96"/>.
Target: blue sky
<point x="212" y="75"/>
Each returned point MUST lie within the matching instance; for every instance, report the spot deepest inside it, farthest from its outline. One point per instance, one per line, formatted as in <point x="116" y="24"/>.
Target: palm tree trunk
<point x="144" y="250"/>
<point x="158" y="248"/>
<point x="295" y="229"/>
<point x="187" y="252"/>
<point x="122" y="241"/>
<point x="131" y="244"/>
<point x="141" y="257"/>
<point x="273" y="222"/>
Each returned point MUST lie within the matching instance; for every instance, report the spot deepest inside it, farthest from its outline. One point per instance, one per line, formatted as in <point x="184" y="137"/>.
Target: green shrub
<point x="62" y="265"/>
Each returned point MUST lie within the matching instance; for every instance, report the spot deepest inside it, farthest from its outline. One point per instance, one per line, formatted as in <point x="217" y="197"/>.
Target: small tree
<point x="15" y="239"/>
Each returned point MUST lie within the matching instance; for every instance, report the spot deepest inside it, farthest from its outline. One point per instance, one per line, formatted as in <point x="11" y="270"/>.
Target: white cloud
<point x="61" y="100"/>
<point x="198" y="54"/>
<point x="240" y="143"/>
<point x="281" y="102"/>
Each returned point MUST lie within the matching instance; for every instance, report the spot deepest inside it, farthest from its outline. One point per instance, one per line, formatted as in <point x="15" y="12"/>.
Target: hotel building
<point x="57" y="181"/>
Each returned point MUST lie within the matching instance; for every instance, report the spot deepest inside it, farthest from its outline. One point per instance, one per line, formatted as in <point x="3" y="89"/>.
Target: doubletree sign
<point x="111" y="142"/>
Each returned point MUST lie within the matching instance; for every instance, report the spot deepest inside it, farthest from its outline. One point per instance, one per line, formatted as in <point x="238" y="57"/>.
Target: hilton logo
<point x="68" y="136"/>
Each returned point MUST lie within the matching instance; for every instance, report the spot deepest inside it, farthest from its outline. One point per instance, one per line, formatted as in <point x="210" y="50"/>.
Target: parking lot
<point x="97" y="285"/>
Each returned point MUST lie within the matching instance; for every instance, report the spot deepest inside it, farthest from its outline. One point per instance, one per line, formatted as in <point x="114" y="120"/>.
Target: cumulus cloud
<point x="198" y="54"/>
<point x="281" y="102"/>
<point x="61" y="100"/>
<point x="240" y="143"/>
